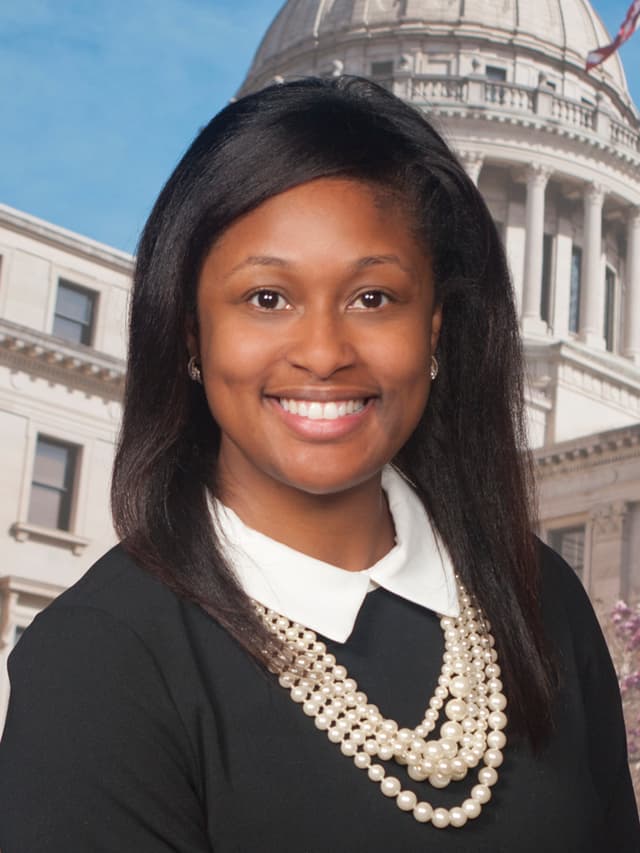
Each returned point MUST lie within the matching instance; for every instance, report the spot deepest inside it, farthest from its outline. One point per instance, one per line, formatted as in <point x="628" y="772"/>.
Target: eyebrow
<point x="360" y="264"/>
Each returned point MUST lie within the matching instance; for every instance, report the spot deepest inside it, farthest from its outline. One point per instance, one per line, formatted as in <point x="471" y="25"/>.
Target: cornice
<point x="69" y="241"/>
<point x="75" y="365"/>
<point x="587" y="451"/>
<point x="617" y="370"/>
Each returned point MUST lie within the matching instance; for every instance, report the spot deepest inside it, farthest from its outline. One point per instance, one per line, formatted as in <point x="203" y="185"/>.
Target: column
<point x="537" y="178"/>
<point x="632" y="290"/>
<point x="592" y="284"/>
<point x="472" y="162"/>
<point x="609" y="569"/>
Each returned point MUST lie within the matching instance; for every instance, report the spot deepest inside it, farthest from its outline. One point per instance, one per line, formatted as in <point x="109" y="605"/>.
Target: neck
<point x="351" y="529"/>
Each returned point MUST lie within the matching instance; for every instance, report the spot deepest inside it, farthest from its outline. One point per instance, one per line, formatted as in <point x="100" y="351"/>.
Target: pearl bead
<point x="456" y="709"/>
<point x="298" y="694"/>
<point x="458" y="765"/>
<point x="371" y="747"/>
<point x="422" y="812"/>
<point x="440" y="818"/>
<point x="487" y="776"/>
<point x="457" y="816"/>
<point x="417" y="773"/>
<point x="448" y="747"/>
<point x="376" y="773"/>
<point x="496" y="739"/>
<point x="451" y="729"/>
<point x="432" y="749"/>
<point x="406" y="800"/>
<point x="460" y="687"/>
<point x="437" y="780"/>
<point x="390" y="786"/>
<point x="335" y="735"/>
<point x="471" y="808"/>
<point x="444" y="767"/>
<point x="362" y="760"/>
<point x="497" y="720"/>
<point x="493" y="758"/>
<point x="348" y="748"/>
<point x="385" y="751"/>
<point x="497" y="702"/>
<point x="481" y="793"/>
<point x="339" y="672"/>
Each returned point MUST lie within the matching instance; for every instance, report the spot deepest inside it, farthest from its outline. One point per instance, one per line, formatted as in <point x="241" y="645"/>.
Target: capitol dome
<point x="563" y="30"/>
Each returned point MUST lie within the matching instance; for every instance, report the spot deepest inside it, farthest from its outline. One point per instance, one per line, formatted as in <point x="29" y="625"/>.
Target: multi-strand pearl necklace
<point x="469" y="689"/>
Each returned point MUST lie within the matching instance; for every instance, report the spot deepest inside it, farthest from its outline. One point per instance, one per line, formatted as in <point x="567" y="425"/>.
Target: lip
<point x="321" y="429"/>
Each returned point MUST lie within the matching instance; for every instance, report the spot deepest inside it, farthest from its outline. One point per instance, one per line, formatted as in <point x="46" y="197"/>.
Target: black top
<point x="137" y="724"/>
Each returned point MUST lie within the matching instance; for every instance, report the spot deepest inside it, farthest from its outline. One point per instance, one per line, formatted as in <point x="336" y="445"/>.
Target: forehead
<point x="331" y="215"/>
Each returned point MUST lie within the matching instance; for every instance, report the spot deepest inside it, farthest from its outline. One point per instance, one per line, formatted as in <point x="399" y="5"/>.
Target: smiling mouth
<point x="330" y="410"/>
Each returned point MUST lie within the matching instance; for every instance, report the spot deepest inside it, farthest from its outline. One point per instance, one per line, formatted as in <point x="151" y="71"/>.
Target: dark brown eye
<point x="267" y="300"/>
<point x="372" y="299"/>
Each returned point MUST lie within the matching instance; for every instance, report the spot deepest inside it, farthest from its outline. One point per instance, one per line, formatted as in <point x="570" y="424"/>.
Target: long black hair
<point x="467" y="456"/>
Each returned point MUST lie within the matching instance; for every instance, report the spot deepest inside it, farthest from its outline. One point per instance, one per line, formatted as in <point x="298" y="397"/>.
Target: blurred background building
<point x="556" y="154"/>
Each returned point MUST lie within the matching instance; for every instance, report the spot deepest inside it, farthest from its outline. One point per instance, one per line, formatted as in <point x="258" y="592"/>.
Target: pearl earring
<point x="433" y="370"/>
<point x="193" y="369"/>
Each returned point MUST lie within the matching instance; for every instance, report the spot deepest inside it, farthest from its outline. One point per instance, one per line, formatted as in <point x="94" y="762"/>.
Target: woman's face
<point x="316" y="323"/>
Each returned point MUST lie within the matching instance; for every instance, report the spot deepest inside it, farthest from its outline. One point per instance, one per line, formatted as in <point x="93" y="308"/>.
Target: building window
<point x="54" y="471"/>
<point x="382" y="73"/>
<point x="609" y="308"/>
<point x="569" y="543"/>
<point x="574" y="291"/>
<point x="545" y="292"/>
<point x="74" y="314"/>
<point x="493" y="72"/>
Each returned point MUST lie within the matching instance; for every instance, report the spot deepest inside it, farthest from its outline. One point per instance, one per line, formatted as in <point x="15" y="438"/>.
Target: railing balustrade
<point x="512" y="98"/>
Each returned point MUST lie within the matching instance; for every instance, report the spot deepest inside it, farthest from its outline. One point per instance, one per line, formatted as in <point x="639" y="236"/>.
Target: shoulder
<point x="562" y="591"/>
<point x="117" y="610"/>
<point x="112" y="581"/>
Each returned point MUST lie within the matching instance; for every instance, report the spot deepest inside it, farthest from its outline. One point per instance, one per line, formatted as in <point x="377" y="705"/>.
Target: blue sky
<point x="99" y="99"/>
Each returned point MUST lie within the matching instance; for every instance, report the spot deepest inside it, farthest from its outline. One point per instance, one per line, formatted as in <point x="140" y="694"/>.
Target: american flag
<point x="625" y="32"/>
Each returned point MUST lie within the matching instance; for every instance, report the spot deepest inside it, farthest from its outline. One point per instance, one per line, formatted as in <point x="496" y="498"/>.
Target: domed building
<point x="555" y="152"/>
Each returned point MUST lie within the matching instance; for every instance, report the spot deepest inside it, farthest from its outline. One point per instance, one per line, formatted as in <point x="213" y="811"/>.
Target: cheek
<point x="233" y="358"/>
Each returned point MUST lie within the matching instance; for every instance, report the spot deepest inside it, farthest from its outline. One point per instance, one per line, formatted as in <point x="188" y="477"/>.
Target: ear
<point x="193" y="344"/>
<point x="436" y="325"/>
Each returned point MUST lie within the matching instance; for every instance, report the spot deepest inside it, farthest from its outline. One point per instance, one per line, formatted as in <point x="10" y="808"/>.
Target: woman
<point x="294" y="516"/>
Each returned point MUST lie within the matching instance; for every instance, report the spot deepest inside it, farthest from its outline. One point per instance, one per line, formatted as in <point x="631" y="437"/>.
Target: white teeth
<point x="317" y="411"/>
<point x="331" y="411"/>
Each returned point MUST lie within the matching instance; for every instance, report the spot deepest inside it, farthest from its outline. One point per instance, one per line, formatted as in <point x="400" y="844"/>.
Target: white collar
<point x="327" y="599"/>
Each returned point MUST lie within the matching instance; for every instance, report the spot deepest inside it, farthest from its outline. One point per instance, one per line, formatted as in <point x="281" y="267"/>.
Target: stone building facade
<point x="63" y="303"/>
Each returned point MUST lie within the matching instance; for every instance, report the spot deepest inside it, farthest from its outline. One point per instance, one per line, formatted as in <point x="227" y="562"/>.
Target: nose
<point x="321" y="344"/>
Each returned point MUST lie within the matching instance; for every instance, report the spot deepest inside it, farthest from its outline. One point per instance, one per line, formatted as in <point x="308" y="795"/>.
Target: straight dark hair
<point x="467" y="457"/>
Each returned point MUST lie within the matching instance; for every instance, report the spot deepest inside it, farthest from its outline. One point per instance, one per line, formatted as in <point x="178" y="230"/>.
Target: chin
<point x="326" y="482"/>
